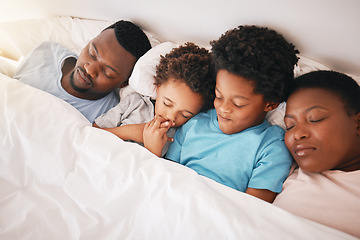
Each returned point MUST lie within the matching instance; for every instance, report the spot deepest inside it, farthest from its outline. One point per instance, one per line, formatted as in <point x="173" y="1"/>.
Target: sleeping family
<point x="210" y="113"/>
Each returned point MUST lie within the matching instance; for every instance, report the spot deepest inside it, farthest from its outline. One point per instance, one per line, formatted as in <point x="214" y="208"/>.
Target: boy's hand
<point x="154" y="134"/>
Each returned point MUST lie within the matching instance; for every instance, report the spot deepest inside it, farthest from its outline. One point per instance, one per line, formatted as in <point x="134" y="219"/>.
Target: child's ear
<point x="358" y="123"/>
<point x="271" y="106"/>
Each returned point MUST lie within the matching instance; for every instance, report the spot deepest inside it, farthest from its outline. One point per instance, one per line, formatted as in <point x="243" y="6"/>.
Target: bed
<point x="60" y="178"/>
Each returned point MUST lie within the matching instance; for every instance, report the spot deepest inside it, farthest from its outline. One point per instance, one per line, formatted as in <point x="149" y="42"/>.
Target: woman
<point x="323" y="135"/>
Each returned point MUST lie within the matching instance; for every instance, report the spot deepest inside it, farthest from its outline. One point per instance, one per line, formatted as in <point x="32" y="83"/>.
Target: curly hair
<point x="344" y="86"/>
<point x="260" y="55"/>
<point x="131" y="37"/>
<point x="192" y="65"/>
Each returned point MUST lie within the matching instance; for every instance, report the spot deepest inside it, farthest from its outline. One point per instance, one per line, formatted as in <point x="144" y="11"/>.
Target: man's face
<point x="103" y="65"/>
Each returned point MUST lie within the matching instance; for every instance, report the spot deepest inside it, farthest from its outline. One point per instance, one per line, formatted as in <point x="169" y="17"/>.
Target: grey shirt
<point x="133" y="108"/>
<point x="41" y="69"/>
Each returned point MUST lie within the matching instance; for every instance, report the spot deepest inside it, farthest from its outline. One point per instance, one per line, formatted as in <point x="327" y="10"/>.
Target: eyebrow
<point x="307" y="110"/>
<point x="97" y="52"/>
<point x="173" y="103"/>
<point x="313" y="107"/>
<point x="236" y="96"/>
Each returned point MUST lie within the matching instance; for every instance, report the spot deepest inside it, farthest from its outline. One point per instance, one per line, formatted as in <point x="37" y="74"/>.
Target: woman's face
<point x="320" y="134"/>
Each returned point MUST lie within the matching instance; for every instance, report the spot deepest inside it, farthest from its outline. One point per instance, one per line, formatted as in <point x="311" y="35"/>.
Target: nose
<point x="91" y="68"/>
<point x="171" y="115"/>
<point x="301" y="133"/>
<point x="224" y="107"/>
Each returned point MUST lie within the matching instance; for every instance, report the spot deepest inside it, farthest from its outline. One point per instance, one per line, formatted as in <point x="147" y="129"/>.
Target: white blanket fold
<point x="60" y="178"/>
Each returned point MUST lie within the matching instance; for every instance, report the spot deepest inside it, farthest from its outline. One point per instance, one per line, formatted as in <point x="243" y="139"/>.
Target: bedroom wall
<point x="325" y="30"/>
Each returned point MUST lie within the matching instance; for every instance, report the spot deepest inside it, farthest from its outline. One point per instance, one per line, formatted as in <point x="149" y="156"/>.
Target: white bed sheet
<point x="60" y="178"/>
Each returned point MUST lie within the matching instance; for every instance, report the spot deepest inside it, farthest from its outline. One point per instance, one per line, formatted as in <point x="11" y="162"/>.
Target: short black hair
<point x="338" y="83"/>
<point x="260" y="55"/>
<point x="131" y="37"/>
<point x="193" y="65"/>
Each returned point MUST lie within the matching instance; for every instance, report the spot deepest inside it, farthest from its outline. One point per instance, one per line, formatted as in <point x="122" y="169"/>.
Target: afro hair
<point x="131" y="37"/>
<point x="260" y="55"/>
<point x="193" y="65"/>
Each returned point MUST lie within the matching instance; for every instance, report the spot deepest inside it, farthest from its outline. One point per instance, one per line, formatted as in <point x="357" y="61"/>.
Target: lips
<point x="83" y="79"/>
<point x="303" y="150"/>
<point x="222" y="118"/>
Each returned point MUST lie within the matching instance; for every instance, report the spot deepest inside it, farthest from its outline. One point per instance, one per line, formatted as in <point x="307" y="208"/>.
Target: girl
<point x="185" y="86"/>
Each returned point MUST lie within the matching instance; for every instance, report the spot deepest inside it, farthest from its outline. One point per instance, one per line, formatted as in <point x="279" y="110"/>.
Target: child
<point x="233" y="144"/>
<point x="185" y="85"/>
<point x="323" y="135"/>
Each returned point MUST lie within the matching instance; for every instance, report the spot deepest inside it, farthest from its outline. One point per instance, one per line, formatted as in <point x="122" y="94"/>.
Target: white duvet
<point x="60" y="178"/>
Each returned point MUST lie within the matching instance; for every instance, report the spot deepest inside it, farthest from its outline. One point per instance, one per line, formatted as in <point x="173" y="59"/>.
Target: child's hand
<point x="154" y="134"/>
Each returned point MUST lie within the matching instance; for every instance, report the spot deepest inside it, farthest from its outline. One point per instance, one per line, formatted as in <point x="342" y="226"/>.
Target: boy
<point x="233" y="144"/>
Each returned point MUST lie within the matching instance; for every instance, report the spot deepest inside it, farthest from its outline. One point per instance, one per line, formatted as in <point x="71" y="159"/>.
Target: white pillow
<point x="306" y="65"/>
<point x="142" y="77"/>
<point x="8" y="66"/>
<point x="18" y="38"/>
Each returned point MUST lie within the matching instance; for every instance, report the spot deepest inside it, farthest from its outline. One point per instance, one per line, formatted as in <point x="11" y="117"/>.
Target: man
<point x="87" y="81"/>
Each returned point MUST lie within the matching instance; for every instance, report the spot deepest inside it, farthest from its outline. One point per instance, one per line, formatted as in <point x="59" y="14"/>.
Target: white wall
<point x="325" y="30"/>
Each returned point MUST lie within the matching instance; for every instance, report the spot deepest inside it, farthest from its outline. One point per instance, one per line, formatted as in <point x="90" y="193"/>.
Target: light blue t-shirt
<point x="255" y="157"/>
<point x="41" y="69"/>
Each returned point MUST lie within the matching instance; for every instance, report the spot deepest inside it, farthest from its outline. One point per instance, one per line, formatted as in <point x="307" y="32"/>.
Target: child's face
<point x="236" y="104"/>
<point x="320" y="134"/>
<point x="177" y="102"/>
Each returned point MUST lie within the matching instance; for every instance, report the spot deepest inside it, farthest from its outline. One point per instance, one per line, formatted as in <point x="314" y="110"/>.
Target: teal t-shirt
<point x="255" y="157"/>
